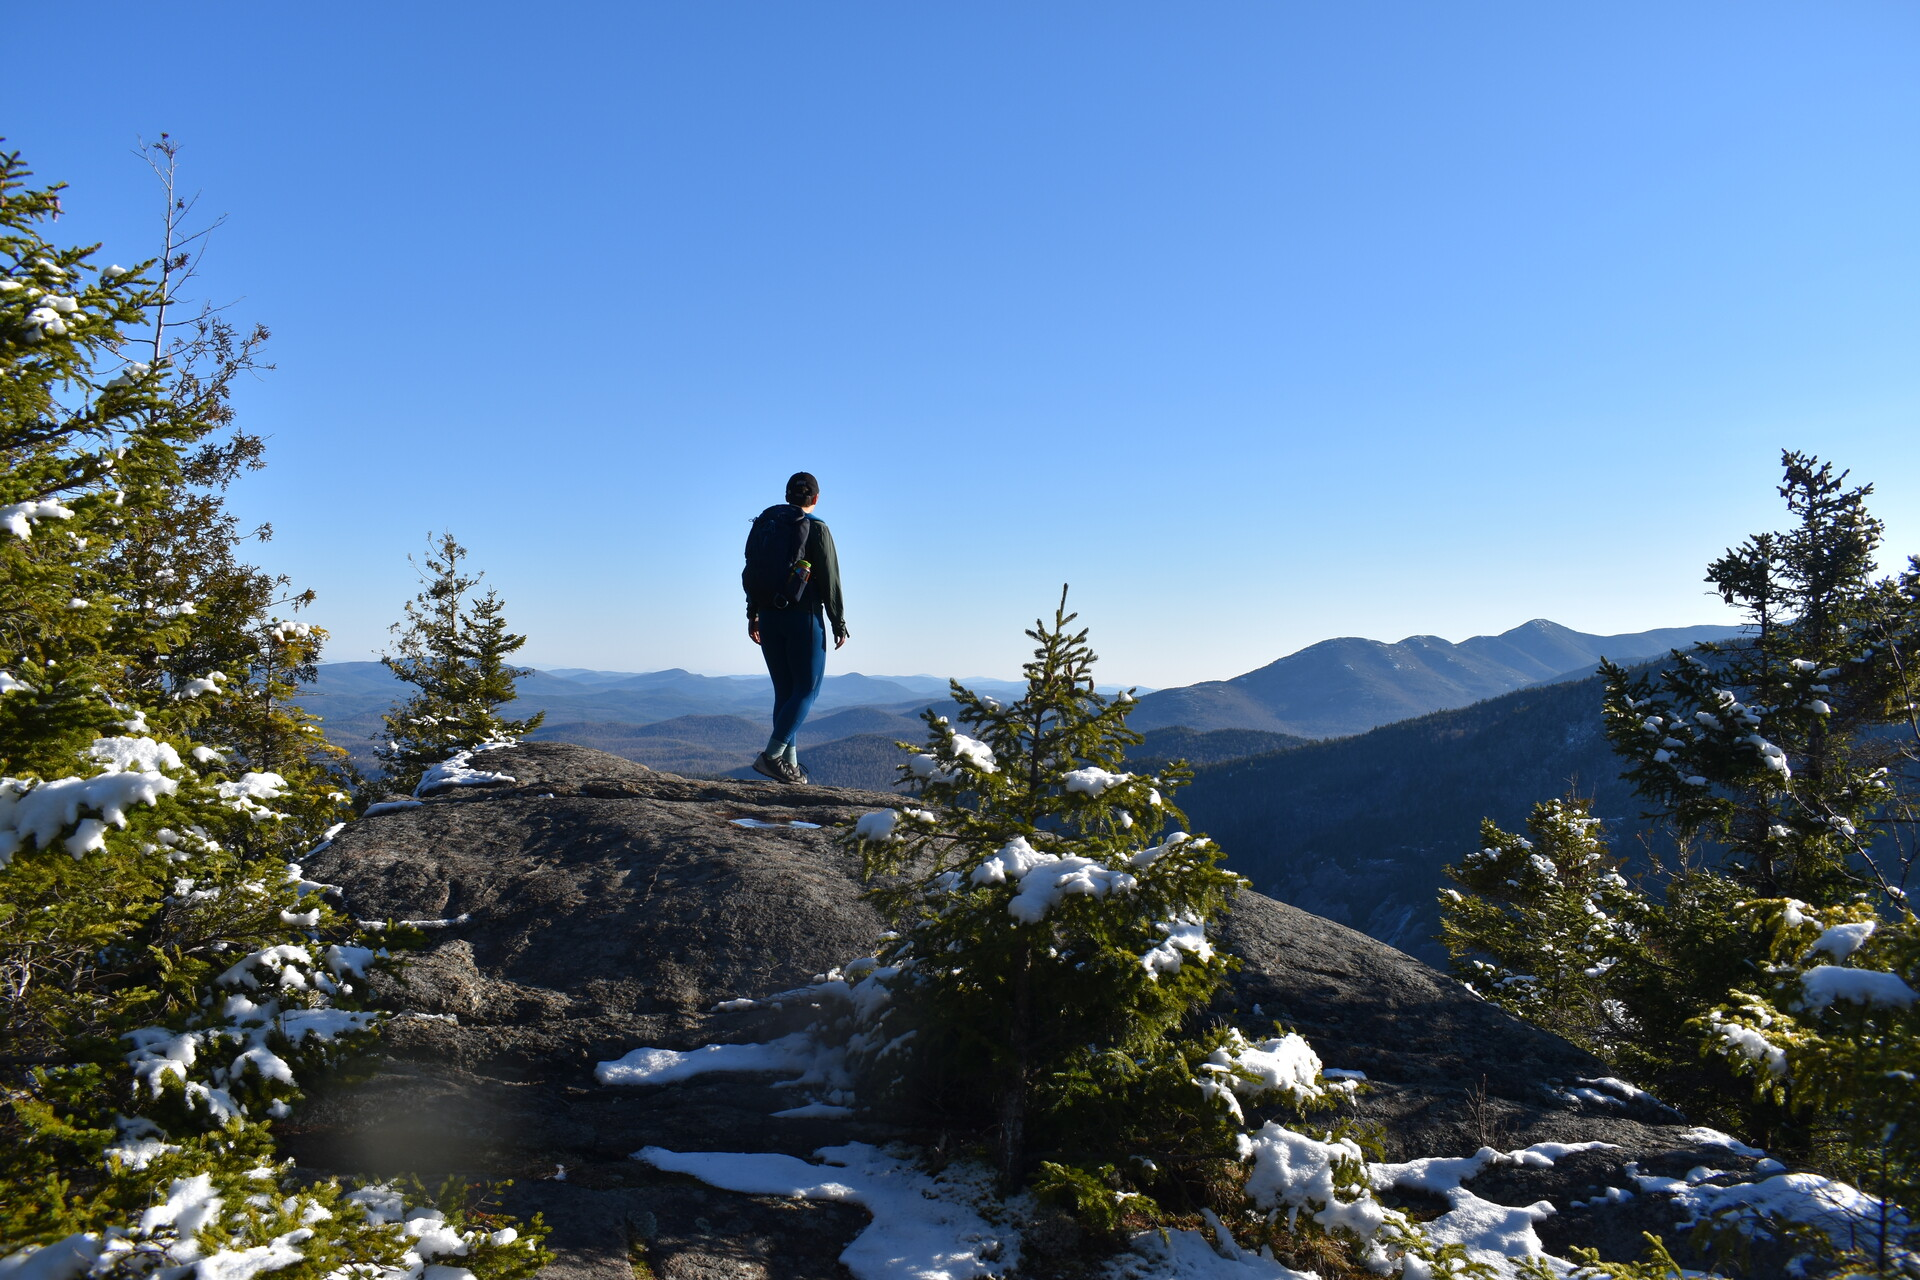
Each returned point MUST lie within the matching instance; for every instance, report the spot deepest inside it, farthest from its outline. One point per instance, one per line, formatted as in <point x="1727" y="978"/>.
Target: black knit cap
<point x="802" y="488"/>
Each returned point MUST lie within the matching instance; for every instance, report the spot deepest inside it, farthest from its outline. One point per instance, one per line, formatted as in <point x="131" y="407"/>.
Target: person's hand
<point x="839" y="639"/>
<point x="753" y="630"/>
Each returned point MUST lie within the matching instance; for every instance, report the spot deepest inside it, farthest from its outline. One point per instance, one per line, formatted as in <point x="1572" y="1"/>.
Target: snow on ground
<point x="1849" y="1217"/>
<point x="457" y="771"/>
<point x="61" y="1260"/>
<point x="950" y="1225"/>
<point x="1611" y="1091"/>
<point x="377" y="926"/>
<point x="819" y="1072"/>
<point x="945" y="1226"/>
<point x="1492" y="1233"/>
<point x="796" y="1052"/>
<point x="916" y="1215"/>
<point x="1187" y="1255"/>
<point x="1700" y="1135"/>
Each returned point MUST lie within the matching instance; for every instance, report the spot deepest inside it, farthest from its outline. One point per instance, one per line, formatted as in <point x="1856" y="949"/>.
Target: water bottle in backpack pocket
<point x="777" y="570"/>
<point x="797" y="578"/>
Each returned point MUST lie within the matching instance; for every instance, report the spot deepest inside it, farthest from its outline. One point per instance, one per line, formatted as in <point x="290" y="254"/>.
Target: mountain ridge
<point x="1349" y="684"/>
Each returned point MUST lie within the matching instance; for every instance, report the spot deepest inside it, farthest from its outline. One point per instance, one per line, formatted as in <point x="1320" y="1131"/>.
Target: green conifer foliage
<point x="1835" y="1029"/>
<point x="1547" y="927"/>
<point x="1045" y="987"/>
<point x="1052" y="931"/>
<point x="171" y="980"/>
<point x="1786" y="765"/>
<point x="1555" y="917"/>
<point x="453" y="649"/>
<point x="1770" y="747"/>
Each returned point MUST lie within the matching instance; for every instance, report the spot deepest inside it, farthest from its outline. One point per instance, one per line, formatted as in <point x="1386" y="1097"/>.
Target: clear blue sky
<point x="1258" y="322"/>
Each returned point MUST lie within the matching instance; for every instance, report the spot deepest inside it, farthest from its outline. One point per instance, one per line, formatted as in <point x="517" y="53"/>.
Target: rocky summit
<point x="580" y="905"/>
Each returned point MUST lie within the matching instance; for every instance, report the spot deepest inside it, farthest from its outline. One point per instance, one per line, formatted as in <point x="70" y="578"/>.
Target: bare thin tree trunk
<point x="1013" y="1103"/>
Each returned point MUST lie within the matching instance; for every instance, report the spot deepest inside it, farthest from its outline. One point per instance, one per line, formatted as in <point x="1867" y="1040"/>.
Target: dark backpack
<point x="777" y="571"/>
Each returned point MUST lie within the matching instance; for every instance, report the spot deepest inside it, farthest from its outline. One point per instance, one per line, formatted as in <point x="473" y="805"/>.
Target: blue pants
<point x="794" y="643"/>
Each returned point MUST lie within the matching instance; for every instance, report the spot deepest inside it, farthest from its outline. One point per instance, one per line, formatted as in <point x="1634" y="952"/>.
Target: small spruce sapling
<point x="1792" y="753"/>
<point x="1553" y="917"/>
<point x="1052" y="951"/>
<point x="1052" y="932"/>
<point x="453" y="648"/>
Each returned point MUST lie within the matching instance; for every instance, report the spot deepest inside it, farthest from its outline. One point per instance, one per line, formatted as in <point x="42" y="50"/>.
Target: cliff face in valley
<point x="580" y="906"/>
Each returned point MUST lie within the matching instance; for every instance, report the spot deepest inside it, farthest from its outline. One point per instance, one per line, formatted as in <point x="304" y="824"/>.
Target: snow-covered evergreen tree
<point x="453" y="648"/>
<point x="1045" y="986"/>
<point x="1545" y="918"/>
<point x="171" y="978"/>
<point x="1052" y="927"/>
<point x="1785" y="763"/>
<point x="1774" y="748"/>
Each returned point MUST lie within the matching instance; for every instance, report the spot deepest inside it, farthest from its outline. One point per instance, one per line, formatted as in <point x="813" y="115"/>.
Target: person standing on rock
<point x="792" y="579"/>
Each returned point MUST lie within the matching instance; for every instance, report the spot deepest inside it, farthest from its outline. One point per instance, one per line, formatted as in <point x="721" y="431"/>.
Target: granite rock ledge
<point x="591" y="905"/>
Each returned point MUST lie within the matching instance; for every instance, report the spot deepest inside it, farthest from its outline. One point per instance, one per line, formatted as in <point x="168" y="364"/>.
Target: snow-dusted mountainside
<point x="586" y="908"/>
<point x="1350" y="685"/>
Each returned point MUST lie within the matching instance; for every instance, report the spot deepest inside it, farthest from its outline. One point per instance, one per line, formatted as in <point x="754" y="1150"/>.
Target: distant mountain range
<point x="673" y="720"/>
<point x="712" y="725"/>
<point x="1350" y="685"/>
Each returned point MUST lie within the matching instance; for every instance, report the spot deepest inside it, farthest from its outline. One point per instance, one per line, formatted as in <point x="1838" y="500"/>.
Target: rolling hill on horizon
<point x="351" y="697"/>
<point x="1349" y="685"/>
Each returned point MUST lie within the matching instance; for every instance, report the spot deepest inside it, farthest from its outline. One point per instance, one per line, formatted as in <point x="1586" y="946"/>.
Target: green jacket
<point x="823" y="588"/>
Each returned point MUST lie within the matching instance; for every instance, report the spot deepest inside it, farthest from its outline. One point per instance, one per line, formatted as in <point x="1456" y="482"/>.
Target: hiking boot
<point x="802" y="771"/>
<point x="778" y="770"/>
